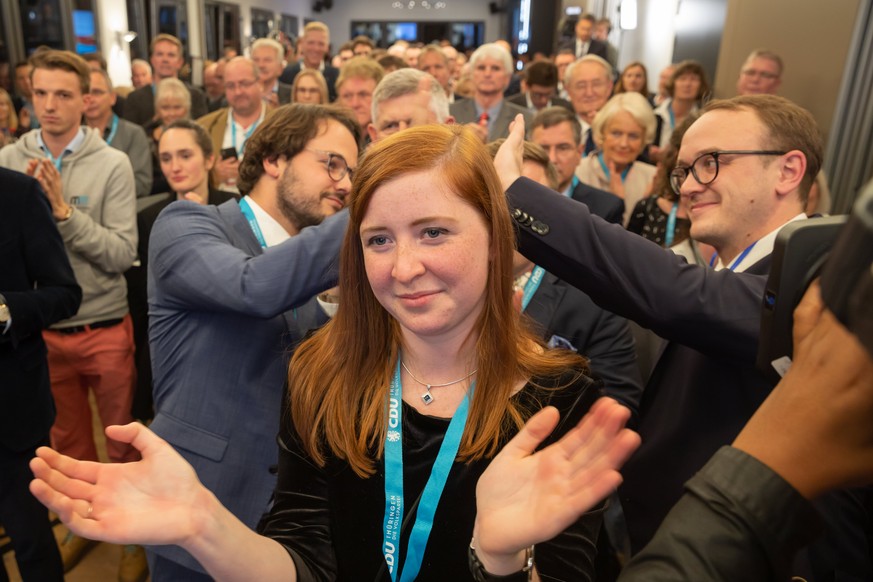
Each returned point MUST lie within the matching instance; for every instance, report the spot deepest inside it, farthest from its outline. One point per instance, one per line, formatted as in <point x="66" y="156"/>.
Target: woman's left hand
<point x="616" y="186"/>
<point x="524" y="497"/>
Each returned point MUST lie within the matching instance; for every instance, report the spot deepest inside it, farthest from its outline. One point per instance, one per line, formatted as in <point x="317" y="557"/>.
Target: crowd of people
<point x="367" y="305"/>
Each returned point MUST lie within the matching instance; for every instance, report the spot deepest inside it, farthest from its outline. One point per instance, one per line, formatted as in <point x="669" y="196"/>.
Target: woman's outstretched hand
<point x="152" y="501"/>
<point x="524" y="497"/>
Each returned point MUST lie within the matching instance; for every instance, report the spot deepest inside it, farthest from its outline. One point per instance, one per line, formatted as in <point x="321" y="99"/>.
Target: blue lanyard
<point x="606" y="169"/>
<point x="738" y="260"/>
<point x="248" y="134"/>
<point x="569" y="191"/>
<point x="672" y="116"/>
<point x="55" y="161"/>
<point x="113" y="130"/>
<point x="530" y="288"/>
<point x="671" y="224"/>
<point x="253" y="222"/>
<point x="433" y="490"/>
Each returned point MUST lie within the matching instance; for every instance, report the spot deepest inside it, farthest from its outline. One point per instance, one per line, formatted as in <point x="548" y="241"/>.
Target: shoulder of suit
<point x="210" y="119"/>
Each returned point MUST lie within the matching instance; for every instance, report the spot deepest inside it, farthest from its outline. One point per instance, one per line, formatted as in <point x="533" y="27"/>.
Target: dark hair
<point x="285" y="133"/>
<point x="95" y="58"/>
<point x="661" y="186"/>
<point x="361" y="39"/>
<point x="552" y="116"/>
<point x="201" y="137"/>
<point x="542" y="73"/>
<point x="693" y="68"/>
<point x="391" y="62"/>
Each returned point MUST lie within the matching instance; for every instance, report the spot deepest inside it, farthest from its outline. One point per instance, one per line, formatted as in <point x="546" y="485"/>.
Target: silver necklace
<point x="427" y="397"/>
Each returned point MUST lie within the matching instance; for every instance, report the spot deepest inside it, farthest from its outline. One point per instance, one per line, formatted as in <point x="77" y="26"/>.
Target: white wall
<point x="652" y="41"/>
<point x="112" y="17"/>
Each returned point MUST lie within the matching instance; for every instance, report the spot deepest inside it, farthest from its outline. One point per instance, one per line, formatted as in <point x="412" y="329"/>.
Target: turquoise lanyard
<point x="530" y="288"/>
<point x="113" y="130"/>
<point x="737" y="261"/>
<point x="671" y="224"/>
<point x="55" y="161"/>
<point x="606" y="169"/>
<point x="672" y="116"/>
<point x="253" y="222"/>
<point x="433" y="490"/>
<point x="248" y="134"/>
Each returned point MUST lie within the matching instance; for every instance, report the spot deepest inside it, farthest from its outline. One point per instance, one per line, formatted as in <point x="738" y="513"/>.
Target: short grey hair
<point x="273" y="44"/>
<point x="607" y="68"/>
<point x="140" y="63"/>
<point x="172" y="87"/>
<point x="407" y="81"/>
<point x="492" y="51"/>
<point x="632" y="103"/>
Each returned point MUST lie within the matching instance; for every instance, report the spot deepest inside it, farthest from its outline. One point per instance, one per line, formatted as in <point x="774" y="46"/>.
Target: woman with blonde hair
<point x="398" y="408"/>
<point x="621" y="130"/>
<point x="172" y="102"/>
<point x="309" y="87"/>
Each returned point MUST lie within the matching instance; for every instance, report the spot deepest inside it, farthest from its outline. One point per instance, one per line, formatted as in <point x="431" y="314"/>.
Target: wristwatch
<point x="480" y="574"/>
<point x="4" y="313"/>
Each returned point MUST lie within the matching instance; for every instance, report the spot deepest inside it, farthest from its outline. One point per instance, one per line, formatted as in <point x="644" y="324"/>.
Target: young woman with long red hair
<point x="399" y="406"/>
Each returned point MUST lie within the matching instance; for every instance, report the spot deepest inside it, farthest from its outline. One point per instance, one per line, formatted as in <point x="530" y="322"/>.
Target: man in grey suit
<point x="230" y="293"/>
<point x="119" y="133"/>
<point x="487" y="113"/>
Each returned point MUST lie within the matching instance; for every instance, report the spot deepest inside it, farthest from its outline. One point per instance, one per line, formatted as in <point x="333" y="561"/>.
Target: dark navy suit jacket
<point x="704" y="387"/>
<point x="39" y="288"/>
<point x="601" y="203"/>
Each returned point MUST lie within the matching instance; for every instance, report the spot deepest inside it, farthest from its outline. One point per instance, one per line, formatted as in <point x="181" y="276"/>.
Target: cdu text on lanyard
<point x="433" y="490"/>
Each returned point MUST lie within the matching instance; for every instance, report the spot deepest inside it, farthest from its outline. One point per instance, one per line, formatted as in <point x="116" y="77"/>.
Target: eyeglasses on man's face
<point x="337" y="166"/>
<point x="767" y="75"/>
<point x="705" y="167"/>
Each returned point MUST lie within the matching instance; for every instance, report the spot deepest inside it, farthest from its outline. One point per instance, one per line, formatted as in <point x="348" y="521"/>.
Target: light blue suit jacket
<point x="223" y="315"/>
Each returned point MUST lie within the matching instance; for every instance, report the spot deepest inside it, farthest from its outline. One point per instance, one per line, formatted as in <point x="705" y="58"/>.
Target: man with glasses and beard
<point x="231" y="290"/>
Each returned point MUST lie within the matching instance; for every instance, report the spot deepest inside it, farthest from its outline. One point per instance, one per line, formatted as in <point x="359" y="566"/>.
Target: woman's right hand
<point x="156" y="500"/>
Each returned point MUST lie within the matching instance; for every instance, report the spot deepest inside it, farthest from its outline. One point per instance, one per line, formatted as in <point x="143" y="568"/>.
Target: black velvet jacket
<point x="330" y="520"/>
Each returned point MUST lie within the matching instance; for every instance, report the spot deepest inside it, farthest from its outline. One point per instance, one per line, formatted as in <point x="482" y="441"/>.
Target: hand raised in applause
<point x="527" y="497"/>
<point x="151" y="501"/>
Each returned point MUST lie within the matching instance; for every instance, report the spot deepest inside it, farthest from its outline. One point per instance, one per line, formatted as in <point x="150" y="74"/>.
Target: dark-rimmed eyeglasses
<point x="337" y="166"/>
<point x="705" y="167"/>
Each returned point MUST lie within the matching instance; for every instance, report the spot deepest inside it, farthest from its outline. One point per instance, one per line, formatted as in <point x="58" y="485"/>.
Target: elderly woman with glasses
<point x="621" y="130"/>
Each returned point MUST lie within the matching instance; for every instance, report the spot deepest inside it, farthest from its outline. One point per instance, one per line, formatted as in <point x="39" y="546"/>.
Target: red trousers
<point x="100" y="360"/>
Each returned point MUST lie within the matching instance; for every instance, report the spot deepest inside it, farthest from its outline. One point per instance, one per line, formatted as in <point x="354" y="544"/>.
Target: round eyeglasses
<point x="705" y="167"/>
<point x="337" y="166"/>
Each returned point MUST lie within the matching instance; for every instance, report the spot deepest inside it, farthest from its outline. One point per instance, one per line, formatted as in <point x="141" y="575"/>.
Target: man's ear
<point x="272" y="167"/>
<point x="371" y="131"/>
<point x="450" y="120"/>
<point x="792" y="169"/>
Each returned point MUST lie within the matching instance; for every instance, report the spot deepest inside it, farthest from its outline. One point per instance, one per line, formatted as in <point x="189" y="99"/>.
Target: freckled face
<point x="427" y="256"/>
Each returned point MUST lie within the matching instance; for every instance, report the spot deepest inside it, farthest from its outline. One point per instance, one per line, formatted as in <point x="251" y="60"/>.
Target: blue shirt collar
<point x="71" y="148"/>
